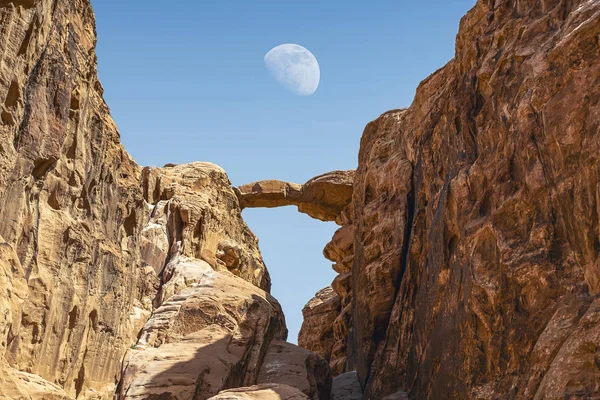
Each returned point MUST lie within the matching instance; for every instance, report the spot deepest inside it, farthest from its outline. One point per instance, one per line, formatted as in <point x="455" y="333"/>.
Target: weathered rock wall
<point x="468" y="254"/>
<point x="69" y="203"/>
<point x="477" y="244"/>
<point x="115" y="278"/>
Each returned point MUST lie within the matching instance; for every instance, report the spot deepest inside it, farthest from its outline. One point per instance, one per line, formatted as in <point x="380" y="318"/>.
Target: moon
<point x="295" y="68"/>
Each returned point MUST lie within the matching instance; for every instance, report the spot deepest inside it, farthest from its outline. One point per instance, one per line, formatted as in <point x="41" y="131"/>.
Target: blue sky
<point x="185" y="82"/>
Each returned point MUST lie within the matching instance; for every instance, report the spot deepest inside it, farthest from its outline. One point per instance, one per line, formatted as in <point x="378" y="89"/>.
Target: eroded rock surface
<point x="291" y="365"/>
<point x="476" y="254"/>
<point x="323" y="197"/>
<point x="468" y="256"/>
<point x="319" y="315"/>
<point x="70" y="207"/>
<point x="268" y="391"/>
<point x="114" y="278"/>
<point x="346" y="387"/>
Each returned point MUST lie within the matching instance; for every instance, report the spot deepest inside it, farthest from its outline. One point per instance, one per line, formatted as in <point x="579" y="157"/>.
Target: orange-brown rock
<point x="95" y="250"/>
<point x="323" y="197"/>
<point x="468" y="254"/>
<point x="476" y="257"/>
<point x="319" y="314"/>
<point x="70" y="208"/>
<point x="326" y="329"/>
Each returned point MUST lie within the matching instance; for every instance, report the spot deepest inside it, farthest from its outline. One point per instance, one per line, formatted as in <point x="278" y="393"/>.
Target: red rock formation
<point x="319" y="315"/>
<point x="477" y="249"/>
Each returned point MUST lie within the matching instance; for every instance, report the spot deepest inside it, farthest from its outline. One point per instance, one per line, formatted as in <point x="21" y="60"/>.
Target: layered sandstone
<point x="117" y="279"/>
<point x="319" y="315"/>
<point x="477" y="244"/>
<point x="327" y="197"/>
<point x="70" y="207"/>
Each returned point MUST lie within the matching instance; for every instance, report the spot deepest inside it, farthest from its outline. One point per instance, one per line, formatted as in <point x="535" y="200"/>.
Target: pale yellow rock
<point x="294" y="366"/>
<point x="268" y="391"/>
<point x="209" y="331"/>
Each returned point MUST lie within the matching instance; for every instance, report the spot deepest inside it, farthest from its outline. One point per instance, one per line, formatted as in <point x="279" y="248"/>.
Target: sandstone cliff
<point x="116" y="279"/>
<point x="468" y="254"/>
<point x="475" y="261"/>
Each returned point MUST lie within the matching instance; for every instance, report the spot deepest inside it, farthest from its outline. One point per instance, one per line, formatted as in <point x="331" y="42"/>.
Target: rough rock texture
<point x="341" y="251"/>
<point x="291" y="365"/>
<point x="328" y="197"/>
<point x="113" y="278"/>
<point x="476" y="260"/>
<point x="266" y="391"/>
<point x="211" y="334"/>
<point x="323" y="197"/>
<point x="346" y="387"/>
<point x="70" y="203"/>
<point x="319" y="315"/>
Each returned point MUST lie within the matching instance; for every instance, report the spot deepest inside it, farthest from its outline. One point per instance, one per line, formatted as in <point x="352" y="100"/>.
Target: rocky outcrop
<point x="319" y="315"/>
<point x="323" y="197"/>
<point x="476" y="214"/>
<point x="291" y="365"/>
<point x="70" y="206"/>
<point x="346" y="387"/>
<point x="268" y="391"/>
<point x="467" y="256"/>
<point x="114" y="278"/>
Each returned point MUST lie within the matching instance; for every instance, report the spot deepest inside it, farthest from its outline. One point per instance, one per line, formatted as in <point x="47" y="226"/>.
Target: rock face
<point x="476" y="253"/>
<point x="70" y="207"/>
<point x="328" y="197"/>
<point x="144" y="282"/>
<point x="469" y="257"/>
<point x="319" y="315"/>
<point x="288" y="364"/>
<point x="346" y="387"/>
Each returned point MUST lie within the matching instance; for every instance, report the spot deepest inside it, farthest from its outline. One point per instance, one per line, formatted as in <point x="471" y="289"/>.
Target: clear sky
<point x="186" y="81"/>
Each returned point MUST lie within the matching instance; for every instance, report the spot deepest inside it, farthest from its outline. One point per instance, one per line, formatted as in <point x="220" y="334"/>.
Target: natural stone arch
<point x="327" y="197"/>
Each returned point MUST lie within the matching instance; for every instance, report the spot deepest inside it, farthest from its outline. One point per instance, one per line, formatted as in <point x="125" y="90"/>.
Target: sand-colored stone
<point x="209" y="331"/>
<point x="468" y="254"/>
<point x="294" y="366"/>
<point x="84" y="242"/>
<point x="268" y="391"/>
